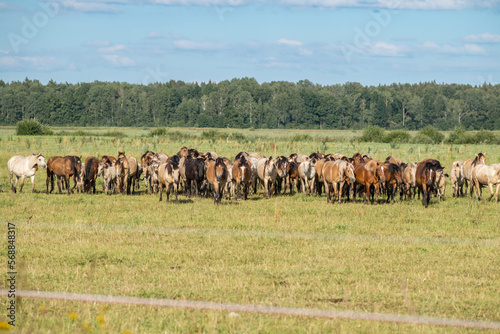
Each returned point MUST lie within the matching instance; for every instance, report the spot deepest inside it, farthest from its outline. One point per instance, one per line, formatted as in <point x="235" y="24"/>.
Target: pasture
<point x="290" y="251"/>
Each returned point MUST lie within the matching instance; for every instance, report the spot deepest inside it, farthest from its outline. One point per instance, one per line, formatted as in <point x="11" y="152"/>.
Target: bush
<point x="301" y="137"/>
<point x="485" y="137"/>
<point x="31" y="127"/>
<point x="421" y="138"/>
<point x="239" y="137"/>
<point x="157" y="132"/>
<point x="432" y="133"/>
<point x="372" y="134"/>
<point x="397" y="136"/>
<point x="459" y="136"/>
<point x="115" y="133"/>
<point x="211" y="134"/>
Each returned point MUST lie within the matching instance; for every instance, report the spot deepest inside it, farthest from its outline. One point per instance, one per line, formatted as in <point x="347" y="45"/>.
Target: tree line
<point x="244" y="103"/>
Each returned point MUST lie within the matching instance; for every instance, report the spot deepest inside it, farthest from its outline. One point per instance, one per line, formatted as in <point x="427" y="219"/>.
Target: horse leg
<point x="161" y="190"/>
<point x="21" y="184"/>
<point x="377" y="190"/>
<point x="341" y="185"/>
<point x="496" y="193"/>
<point x="490" y="185"/>
<point x="11" y="175"/>
<point x="168" y="189"/>
<point x="33" y="184"/>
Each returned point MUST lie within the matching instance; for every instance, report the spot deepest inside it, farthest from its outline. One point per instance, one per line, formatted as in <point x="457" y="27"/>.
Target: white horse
<point x="486" y="175"/>
<point x="23" y="167"/>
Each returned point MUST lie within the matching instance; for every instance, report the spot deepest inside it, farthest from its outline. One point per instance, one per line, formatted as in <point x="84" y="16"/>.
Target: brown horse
<point x="108" y="159"/>
<point x="293" y="176"/>
<point x="281" y="167"/>
<point x="335" y="175"/>
<point x="393" y="179"/>
<point x="217" y="177"/>
<point x="367" y="175"/>
<point x="195" y="174"/>
<point x="242" y="174"/>
<point x="63" y="167"/>
<point x="425" y="178"/>
<point x="91" y="168"/>
<point x="146" y="160"/>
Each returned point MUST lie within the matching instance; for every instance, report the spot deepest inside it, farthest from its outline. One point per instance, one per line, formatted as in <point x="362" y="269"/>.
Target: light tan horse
<point x="307" y="174"/>
<point x="169" y="176"/>
<point x="457" y="178"/>
<point x="217" y="177"/>
<point x="486" y="175"/>
<point x="126" y="172"/>
<point x="267" y="173"/>
<point x="409" y="180"/>
<point x="336" y="174"/>
<point x="23" y="167"/>
<point x="469" y="164"/>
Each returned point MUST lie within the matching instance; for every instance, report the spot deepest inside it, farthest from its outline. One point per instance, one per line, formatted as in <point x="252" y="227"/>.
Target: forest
<point x="245" y="103"/>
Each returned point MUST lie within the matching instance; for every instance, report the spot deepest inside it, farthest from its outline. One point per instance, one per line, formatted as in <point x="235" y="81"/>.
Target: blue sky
<point x="326" y="41"/>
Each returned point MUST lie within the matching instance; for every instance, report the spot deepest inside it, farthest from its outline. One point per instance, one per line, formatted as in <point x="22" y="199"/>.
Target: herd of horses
<point x="208" y="174"/>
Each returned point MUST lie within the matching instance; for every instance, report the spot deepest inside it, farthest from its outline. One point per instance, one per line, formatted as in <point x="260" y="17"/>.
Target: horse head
<point x="220" y="167"/>
<point x="380" y="172"/>
<point x="40" y="161"/>
<point x="480" y="159"/>
<point x="349" y="172"/>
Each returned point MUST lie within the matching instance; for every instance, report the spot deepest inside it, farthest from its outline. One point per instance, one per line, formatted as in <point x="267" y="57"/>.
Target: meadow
<point x="291" y="251"/>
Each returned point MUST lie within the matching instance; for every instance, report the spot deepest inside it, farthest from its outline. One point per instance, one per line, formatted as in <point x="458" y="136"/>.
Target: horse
<point x="409" y="180"/>
<point x="23" y="167"/>
<point x="217" y="177"/>
<point x="393" y="160"/>
<point x="425" y="178"/>
<point x="307" y="174"/>
<point x="457" y="178"/>
<point x="108" y="158"/>
<point x="62" y="167"/>
<point x="469" y="164"/>
<point x="393" y="179"/>
<point x="108" y="172"/>
<point x="293" y="176"/>
<point x="242" y="174"/>
<point x="367" y="175"/>
<point x="146" y="160"/>
<point x="183" y="152"/>
<point x="486" y="175"/>
<point x="335" y="175"/>
<point x="281" y="178"/>
<point x="91" y="168"/>
<point x="267" y="172"/>
<point x="126" y="172"/>
<point x="319" y="175"/>
<point x="441" y="185"/>
<point x="195" y="174"/>
<point x="169" y="176"/>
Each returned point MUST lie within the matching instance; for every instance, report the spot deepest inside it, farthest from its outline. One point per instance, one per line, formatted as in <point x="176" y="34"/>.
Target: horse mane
<point x="476" y="159"/>
<point x="175" y="159"/>
<point x="242" y="160"/>
<point x="219" y="161"/>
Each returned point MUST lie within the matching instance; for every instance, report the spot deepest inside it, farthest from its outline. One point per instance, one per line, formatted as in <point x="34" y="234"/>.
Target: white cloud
<point x="466" y="49"/>
<point x="289" y="42"/>
<point x="200" y="2"/>
<point x="185" y="44"/>
<point x="168" y="35"/>
<point x="396" y="4"/>
<point x="4" y="52"/>
<point x="118" y="61"/>
<point x="91" y="6"/>
<point x="112" y="48"/>
<point x="483" y="38"/>
<point x="32" y="63"/>
<point x="383" y="49"/>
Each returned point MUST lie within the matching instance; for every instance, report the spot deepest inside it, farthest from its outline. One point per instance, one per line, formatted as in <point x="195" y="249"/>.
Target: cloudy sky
<point x="326" y="41"/>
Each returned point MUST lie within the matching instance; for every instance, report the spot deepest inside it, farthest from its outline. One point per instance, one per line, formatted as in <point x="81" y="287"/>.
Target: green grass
<point x="293" y="251"/>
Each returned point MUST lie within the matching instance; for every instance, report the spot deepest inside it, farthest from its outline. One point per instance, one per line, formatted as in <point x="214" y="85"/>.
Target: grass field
<point x="291" y="251"/>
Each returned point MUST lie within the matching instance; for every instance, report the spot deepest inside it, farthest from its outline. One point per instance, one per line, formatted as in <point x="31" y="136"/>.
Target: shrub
<point x="485" y="137"/>
<point x="432" y="133"/>
<point x="157" y="132"/>
<point x="459" y="136"/>
<point x="372" y="134"/>
<point x="301" y="137"/>
<point x="115" y="133"/>
<point x="397" y="136"/>
<point x="421" y="138"/>
<point x="31" y="127"/>
<point x="211" y="134"/>
<point x="239" y="137"/>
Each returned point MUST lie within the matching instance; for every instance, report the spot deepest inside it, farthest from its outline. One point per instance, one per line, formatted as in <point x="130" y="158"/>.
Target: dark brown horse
<point x="195" y="174"/>
<point x="242" y="174"/>
<point x="91" y="167"/>
<point x="293" y="176"/>
<point x="393" y="179"/>
<point x="425" y="178"/>
<point x="367" y="175"/>
<point x="63" y="167"/>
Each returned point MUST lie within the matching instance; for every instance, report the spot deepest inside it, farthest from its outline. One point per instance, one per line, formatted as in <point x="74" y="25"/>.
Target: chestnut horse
<point x="367" y="175"/>
<point x="63" y="167"/>
<point x="91" y="168"/>
<point x="242" y="174"/>
<point x="217" y="177"/>
<point x="335" y="175"/>
<point x="126" y="172"/>
<point x="425" y="178"/>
